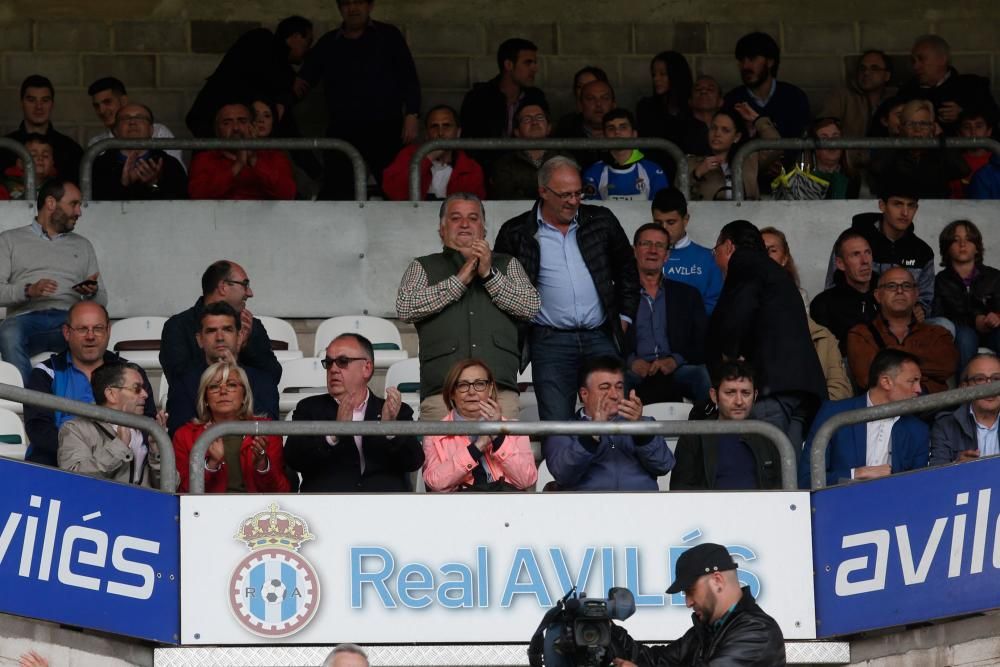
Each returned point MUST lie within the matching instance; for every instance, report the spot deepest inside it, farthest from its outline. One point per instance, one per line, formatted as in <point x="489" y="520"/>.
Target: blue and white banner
<point x="460" y="568"/>
<point x="89" y="553"/>
<point x="907" y="548"/>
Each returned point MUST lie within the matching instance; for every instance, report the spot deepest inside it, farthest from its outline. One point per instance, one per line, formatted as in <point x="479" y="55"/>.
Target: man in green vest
<point x="466" y="302"/>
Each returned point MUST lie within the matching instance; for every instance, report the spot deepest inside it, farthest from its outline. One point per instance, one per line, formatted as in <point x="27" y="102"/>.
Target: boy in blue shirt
<point x="626" y="173"/>
<point x="688" y="262"/>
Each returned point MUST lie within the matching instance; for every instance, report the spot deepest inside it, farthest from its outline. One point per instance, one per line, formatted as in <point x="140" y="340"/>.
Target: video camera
<point x="577" y="631"/>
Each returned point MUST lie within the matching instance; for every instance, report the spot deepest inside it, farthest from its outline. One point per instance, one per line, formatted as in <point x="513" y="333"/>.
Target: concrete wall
<point x="322" y="259"/>
<point x="63" y="647"/>
<point x="970" y="642"/>
<point x="163" y="49"/>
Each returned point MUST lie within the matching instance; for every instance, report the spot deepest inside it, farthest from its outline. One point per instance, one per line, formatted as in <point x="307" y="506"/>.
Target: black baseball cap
<point x="698" y="561"/>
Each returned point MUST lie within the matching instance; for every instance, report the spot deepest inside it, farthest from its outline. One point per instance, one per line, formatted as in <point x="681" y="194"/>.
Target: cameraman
<point x="729" y="628"/>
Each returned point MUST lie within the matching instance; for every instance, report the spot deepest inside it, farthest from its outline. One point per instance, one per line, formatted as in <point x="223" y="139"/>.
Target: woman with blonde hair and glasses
<point x="477" y="462"/>
<point x="233" y="463"/>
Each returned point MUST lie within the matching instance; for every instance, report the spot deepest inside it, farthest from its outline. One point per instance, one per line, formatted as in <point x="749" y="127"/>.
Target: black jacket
<point x="255" y="67"/>
<point x="760" y="317"/>
<point x="40" y="423"/>
<point x="66" y="152"/>
<point x="748" y="637"/>
<point x="182" y="395"/>
<point x="909" y="252"/>
<point x="179" y="350"/>
<point x="961" y="305"/>
<point x="928" y="171"/>
<point x="484" y="115"/>
<point x="969" y="91"/>
<point x="605" y="249"/>
<point x="698" y="455"/>
<point x="570" y="126"/>
<point x="337" y="468"/>
<point x="107" y="175"/>
<point x="686" y="322"/>
<point x="841" y="307"/>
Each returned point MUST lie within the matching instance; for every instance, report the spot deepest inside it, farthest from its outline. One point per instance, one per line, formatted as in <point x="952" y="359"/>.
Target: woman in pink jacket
<point x="452" y="462"/>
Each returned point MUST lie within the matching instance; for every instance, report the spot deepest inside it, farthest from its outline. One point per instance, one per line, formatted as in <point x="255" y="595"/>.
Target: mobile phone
<point x="85" y="283"/>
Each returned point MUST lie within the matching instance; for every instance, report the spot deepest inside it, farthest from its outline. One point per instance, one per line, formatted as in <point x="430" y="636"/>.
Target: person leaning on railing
<point x="969" y="432"/>
<point x="478" y="463"/>
<point x="233" y="463"/>
<point x="711" y="175"/>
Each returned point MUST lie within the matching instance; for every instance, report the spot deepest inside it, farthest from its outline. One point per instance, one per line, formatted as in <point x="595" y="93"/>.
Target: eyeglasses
<point x="537" y="118"/>
<point x="898" y="287"/>
<point x="982" y="379"/>
<point x="566" y="196"/>
<point x="138" y="119"/>
<point x="871" y="68"/>
<point x="245" y="283"/>
<point x="341" y="361"/>
<point x="136" y="388"/>
<point x="716" y="246"/>
<point x="229" y="386"/>
<point x="659" y="245"/>
<point x="463" y="387"/>
<point x="99" y="330"/>
<point x="919" y="124"/>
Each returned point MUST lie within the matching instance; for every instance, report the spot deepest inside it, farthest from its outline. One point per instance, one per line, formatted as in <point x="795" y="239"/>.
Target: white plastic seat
<point x="10" y="375"/>
<point x="665" y="412"/>
<point x="280" y="331"/>
<point x="13" y="439"/>
<point x="304" y="378"/>
<point x="162" y="391"/>
<point x="382" y="333"/>
<point x="544" y="477"/>
<point x="405" y="376"/>
<point x="138" y="340"/>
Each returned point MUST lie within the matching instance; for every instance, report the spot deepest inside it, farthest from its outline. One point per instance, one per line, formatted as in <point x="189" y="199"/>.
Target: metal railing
<point x="317" y="143"/>
<point x="919" y="405"/>
<point x="168" y="465"/>
<point x="893" y="143"/>
<point x="323" y="428"/>
<point x="30" y="179"/>
<point x="568" y="145"/>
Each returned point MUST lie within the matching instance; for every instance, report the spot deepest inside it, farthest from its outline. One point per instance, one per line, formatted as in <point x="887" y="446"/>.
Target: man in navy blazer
<point x="878" y="448"/>
<point x="666" y="344"/>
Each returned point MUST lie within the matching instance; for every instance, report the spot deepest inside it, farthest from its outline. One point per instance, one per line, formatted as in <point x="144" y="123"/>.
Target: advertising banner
<point x="89" y="553"/>
<point x="441" y="568"/>
<point x="907" y="548"/>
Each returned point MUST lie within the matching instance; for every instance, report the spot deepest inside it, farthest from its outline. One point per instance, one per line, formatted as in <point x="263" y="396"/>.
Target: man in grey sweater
<point x="44" y="269"/>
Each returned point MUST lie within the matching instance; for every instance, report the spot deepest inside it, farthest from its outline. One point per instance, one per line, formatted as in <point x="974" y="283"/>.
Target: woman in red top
<point x="233" y="464"/>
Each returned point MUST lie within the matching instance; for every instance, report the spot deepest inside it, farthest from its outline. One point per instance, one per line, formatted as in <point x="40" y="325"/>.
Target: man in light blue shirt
<point x="580" y="261"/>
<point x="969" y="432"/>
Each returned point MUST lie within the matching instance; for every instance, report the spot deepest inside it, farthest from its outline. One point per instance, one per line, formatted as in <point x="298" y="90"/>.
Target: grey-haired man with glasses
<point x="579" y="259"/>
<point x="969" y="432"/>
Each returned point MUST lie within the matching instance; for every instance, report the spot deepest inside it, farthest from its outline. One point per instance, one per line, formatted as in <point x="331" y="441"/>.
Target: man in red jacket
<point x="442" y="172"/>
<point x="239" y="174"/>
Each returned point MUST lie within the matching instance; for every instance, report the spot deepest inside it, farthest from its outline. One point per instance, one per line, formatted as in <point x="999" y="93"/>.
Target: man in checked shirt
<point x="466" y="302"/>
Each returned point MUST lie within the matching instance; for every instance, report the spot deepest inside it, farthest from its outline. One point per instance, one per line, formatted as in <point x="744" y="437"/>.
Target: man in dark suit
<point x="876" y="448"/>
<point x="666" y="347"/>
<point x="730" y="461"/>
<point x="344" y="463"/>
<point x="218" y="336"/>
<point x="760" y="318"/>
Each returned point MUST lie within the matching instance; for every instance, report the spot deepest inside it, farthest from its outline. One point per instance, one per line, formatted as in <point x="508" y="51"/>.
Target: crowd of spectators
<point x="609" y="325"/>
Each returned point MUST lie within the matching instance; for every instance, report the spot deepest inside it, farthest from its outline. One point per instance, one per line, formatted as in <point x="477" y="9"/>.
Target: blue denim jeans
<point x="556" y="357"/>
<point x="30" y="333"/>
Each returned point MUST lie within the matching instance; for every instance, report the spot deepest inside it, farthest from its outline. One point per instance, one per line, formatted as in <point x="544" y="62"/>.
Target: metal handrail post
<point x="921" y="404"/>
<point x="497" y="144"/>
<point x="30" y="178"/>
<point x="168" y="465"/>
<point x="317" y="143"/>
<point x="893" y="143"/>
<point x="324" y="428"/>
